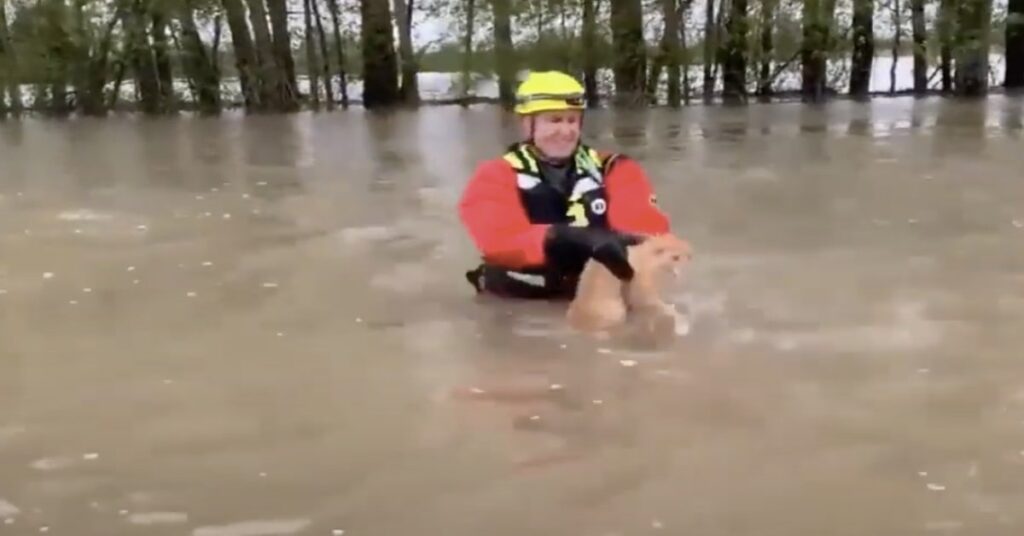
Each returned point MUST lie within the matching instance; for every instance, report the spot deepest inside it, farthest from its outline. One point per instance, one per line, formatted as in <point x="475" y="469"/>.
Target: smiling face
<point x="555" y="133"/>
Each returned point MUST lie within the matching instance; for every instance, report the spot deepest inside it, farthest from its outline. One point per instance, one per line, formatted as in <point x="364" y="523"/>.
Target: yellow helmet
<point x="548" y="90"/>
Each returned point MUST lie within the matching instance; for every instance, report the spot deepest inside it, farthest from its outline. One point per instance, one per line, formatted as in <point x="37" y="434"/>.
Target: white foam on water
<point x="157" y="518"/>
<point x="274" y="527"/>
<point x="50" y="464"/>
<point x="369" y="233"/>
<point x="8" y="509"/>
<point x="84" y="215"/>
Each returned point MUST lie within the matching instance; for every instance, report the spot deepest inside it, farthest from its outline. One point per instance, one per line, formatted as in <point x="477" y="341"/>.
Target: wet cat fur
<point x="602" y="301"/>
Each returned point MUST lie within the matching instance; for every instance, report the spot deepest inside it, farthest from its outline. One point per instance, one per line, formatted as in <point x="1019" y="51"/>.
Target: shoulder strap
<point x="593" y="163"/>
<point x="521" y="160"/>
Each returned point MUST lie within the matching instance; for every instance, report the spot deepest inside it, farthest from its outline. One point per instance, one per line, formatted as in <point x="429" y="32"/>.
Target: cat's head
<point x="658" y="255"/>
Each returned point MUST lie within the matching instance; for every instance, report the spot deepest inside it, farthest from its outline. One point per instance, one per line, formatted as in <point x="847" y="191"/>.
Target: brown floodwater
<point x="247" y="326"/>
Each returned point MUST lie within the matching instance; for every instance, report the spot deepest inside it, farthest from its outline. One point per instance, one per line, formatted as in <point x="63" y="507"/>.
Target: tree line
<point x="77" y="55"/>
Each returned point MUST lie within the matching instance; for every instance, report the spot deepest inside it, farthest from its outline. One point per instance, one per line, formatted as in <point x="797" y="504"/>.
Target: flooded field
<point x="255" y="326"/>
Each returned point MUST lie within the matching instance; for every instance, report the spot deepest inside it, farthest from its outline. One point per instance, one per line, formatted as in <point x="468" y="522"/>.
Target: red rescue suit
<point x="509" y="203"/>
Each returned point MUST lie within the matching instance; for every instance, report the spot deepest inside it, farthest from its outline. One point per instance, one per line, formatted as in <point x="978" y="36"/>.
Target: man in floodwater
<point x="550" y="203"/>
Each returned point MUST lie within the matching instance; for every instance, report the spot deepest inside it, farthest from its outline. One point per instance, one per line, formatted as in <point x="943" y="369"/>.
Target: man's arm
<point x="493" y="215"/>
<point x="631" y="205"/>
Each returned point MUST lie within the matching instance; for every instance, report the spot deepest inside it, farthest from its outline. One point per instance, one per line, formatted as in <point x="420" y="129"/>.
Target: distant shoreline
<point x="782" y="97"/>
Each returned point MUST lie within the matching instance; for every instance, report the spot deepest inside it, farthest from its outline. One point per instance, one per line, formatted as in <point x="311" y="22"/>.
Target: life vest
<point x="585" y="206"/>
<point x="587" y="203"/>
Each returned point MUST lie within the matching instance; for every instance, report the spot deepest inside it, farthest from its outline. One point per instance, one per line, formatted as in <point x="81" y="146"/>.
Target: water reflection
<point x="734" y="128"/>
<point x="861" y="119"/>
<point x="814" y="118"/>
<point x="960" y="127"/>
<point x="813" y="128"/>
<point x="392" y="147"/>
<point x="272" y="141"/>
<point x="669" y="131"/>
<point x="272" y="147"/>
<point x="918" y="113"/>
<point x="162" y="155"/>
<point x="860" y="126"/>
<point x="629" y="128"/>
<point x="1012" y="116"/>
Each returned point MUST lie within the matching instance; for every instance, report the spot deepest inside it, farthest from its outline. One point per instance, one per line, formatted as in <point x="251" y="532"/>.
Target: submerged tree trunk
<point x="332" y="5"/>
<point x="324" y="56"/>
<point x="91" y="92"/>
<point x="764" y="83"/>
<point x="657" y="64"/>
<point x="467" y="50"/>
<point x="289" y="87"/>
<point x="199" y="66"/>
<point x="863" y="47"/>
<point x="245" y="54"/>
<point x="946" y="20"/>
<point x="270" y="79"/>
<point x="898" y="24"/>
<point x="92" y="58"/>
<point x="312" y="61"/>
<point x="629" y="56"/>
<point x="973" y="24"/>
<point x="710" y="45"/>
<point x="589" y="41"/>
<point x="671" y="49"/>
<point x="654" y="76"/>
<point x="734" y="54"/>
<point x="8" y="77"/>
<point x="817" y="23"/>
<point x="59" y="51"/>
<point x="3" y="85"/>
<point x="809" y="47"/>
<point x="504" y="53"/>
<point x="380" y="66"/>
<point x="920" y="46"/>
<point x="684" y="8"/>
<point x="142" y="61"/>
<point x="409" y="89"/>
<point x="1014" y="45"/>
<point x="162" y="58"/>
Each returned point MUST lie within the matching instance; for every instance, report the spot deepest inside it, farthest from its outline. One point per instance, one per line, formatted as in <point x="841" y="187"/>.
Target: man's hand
<point x="569" y="248"/>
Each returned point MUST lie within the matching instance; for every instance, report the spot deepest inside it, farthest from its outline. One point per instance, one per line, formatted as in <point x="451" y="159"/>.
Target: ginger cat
<point x="603" y="301"/>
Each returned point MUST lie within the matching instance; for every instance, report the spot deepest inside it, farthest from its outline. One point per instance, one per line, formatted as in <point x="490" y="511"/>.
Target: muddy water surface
<point x="249" y="326"/>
